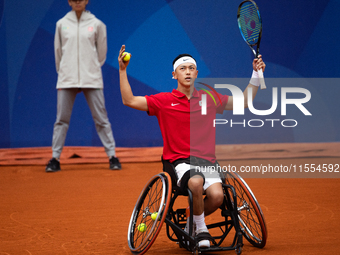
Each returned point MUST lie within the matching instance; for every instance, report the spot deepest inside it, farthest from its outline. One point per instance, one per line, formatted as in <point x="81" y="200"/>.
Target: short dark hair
<point x="182" y="55"/>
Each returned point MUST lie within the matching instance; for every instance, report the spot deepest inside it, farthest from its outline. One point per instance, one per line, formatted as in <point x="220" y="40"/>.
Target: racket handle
<point x="262" y="83"/>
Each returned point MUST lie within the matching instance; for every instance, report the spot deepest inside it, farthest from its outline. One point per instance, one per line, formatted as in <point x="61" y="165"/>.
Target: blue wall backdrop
<point x="299" y="41"/>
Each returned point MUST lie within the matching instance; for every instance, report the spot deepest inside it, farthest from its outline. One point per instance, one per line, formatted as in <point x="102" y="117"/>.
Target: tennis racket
<point x="250" y="25"/>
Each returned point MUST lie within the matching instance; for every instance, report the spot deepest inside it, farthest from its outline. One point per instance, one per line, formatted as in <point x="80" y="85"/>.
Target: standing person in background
<point x="80" y="48"/>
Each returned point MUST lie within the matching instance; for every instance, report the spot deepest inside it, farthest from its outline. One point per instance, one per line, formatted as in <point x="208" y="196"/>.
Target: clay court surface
<point x="86" y="208"/>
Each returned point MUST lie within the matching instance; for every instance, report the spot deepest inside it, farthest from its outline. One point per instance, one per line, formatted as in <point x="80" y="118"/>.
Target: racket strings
<point x="249" y="22"/>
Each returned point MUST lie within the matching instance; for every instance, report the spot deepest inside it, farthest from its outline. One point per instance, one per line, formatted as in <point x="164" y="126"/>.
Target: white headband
<point x="182" y="60"/>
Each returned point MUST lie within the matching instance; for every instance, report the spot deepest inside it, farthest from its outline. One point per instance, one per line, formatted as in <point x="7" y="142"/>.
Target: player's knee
<point x="219" y="199"/>
<point x="195" y="184"/>
<point x="216" y="197"/>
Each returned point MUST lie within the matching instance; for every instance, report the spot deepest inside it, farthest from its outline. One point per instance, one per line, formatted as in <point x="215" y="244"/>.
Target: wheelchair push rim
<point x="252" y="222"/>
<point x="155" y="197"/>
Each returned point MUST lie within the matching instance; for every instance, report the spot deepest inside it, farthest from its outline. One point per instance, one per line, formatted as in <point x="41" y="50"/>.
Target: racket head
<point x="250" y="23"/>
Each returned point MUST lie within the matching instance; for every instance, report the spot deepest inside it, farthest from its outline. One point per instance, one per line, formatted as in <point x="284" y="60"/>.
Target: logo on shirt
<point x="90" y="29"/>
<point x="172" y="104"/>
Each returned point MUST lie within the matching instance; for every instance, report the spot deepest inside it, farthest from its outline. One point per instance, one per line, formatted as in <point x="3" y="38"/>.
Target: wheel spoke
<point x="249" y="212"/>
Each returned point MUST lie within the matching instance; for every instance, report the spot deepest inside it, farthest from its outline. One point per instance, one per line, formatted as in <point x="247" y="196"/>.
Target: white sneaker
<point x="201" y="234"/>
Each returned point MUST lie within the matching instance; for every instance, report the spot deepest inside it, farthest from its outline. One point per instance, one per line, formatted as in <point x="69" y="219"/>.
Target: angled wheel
<point x="250" y="215"/>
<point x="149" y="213"/>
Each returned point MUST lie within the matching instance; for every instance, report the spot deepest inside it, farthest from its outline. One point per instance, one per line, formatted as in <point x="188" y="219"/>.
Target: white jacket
<point x="80" y="49"/>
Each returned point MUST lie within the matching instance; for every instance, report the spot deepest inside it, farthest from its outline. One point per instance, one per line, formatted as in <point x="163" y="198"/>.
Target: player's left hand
<point x="258" y="63"/>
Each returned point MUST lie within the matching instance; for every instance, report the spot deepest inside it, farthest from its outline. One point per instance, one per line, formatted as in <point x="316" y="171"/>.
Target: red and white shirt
<point x="185" y="131"/>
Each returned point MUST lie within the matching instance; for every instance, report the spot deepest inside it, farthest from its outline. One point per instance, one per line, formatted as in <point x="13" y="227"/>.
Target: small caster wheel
<point x="238" y="250"/>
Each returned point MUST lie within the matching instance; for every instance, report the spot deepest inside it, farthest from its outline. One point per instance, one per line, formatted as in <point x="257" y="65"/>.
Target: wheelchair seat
<point x="170" y="169"/>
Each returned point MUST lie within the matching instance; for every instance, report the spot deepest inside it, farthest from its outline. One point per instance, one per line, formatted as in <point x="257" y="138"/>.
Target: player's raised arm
<point x="254" y="83"/>
<point x="136" y="102"/>
<point x="255" y="80"/>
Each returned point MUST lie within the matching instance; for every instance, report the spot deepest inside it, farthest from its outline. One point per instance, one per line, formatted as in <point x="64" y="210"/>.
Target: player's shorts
<point x="211" y="176"/>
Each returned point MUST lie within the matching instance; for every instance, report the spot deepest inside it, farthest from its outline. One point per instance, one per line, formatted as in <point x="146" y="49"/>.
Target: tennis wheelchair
<point x="241" y="215"/>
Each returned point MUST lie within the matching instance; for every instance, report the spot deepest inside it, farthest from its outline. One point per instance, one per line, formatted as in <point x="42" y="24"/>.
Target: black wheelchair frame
<point x="240" y="212"/>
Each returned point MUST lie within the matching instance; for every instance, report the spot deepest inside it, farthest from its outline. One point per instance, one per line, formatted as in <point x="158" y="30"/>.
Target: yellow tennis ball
<point x="154" y="216"/>
<point x="142" y="227"/>
<point x="127" y="56"/>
